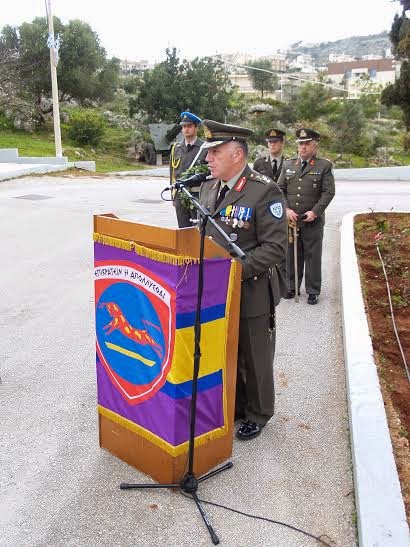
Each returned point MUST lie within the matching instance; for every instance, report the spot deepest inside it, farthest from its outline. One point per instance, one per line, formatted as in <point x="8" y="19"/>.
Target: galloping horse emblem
<point x="118" y="322"/>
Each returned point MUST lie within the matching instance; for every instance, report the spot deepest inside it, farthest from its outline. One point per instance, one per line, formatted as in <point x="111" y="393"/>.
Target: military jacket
<point x="252" y="214"/>
<point x="181" y="159"/>
<point x="264" y="167"/>
<point x="311" y="191"/>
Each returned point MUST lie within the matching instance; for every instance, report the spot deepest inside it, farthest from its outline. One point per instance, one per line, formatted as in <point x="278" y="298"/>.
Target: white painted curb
<point x="379" y="504"/>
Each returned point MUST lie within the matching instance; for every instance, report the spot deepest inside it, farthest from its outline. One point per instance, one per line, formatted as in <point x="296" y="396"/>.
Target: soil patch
<point x="392" y="231"/>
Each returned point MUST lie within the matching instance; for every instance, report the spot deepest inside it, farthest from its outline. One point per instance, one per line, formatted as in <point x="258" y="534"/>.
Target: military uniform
<point x="309" y="190"/>
<point x="183" y="157"/>
<point x="265" y="166"/>
<point x="252" y="214"/>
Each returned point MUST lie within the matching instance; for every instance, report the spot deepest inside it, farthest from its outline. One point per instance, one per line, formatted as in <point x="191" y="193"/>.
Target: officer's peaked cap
<point x="305" y="134"/>
<point x="274" y="134"/>
<point x="220" y="133"/>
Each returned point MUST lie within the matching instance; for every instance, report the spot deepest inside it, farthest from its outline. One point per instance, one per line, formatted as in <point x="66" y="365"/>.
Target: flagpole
<point x="54" y="85"/>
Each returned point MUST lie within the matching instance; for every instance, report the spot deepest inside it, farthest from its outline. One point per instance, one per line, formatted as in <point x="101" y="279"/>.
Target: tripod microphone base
<point x="189" y="485"/>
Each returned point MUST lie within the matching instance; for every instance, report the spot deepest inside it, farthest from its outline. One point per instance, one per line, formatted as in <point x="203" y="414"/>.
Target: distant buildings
<point x="342" y="70"/>
<point x="133" y="67"/>
<point x="352" y="73"/>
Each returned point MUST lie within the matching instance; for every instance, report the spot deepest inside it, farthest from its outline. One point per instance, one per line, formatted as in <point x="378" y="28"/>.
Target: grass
<point x="108" y="156"/>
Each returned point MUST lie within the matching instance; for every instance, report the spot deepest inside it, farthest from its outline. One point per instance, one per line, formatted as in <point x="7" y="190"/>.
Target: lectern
<point x="145" y="280"/>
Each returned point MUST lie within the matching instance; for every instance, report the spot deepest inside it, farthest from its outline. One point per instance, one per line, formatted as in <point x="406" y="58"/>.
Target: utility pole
<point x="54" y="86"/>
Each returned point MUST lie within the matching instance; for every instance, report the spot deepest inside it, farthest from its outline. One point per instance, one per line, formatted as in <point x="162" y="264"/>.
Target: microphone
<point x="190" y="182"/>
<point x="193" y="180"/>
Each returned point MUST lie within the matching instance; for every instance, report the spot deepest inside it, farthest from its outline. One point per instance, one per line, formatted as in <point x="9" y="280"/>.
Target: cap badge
<point x="303" y="133"/>
<point x="207" y="133"/>
<point x="272" y="134"/>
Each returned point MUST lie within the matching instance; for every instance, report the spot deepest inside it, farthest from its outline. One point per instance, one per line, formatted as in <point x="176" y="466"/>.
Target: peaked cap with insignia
<point x="220" y="133"/>
<point x="274" y="134"/>
<point x="188" y="118"/>
<point x="304" y="135"/>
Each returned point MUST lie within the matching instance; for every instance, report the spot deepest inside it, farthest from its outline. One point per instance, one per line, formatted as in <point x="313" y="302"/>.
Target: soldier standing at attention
<point x="272" y="165"/>
<point x="308" y="186"/>
<point x="249" y="207"/>
<point x="184" y="155"/>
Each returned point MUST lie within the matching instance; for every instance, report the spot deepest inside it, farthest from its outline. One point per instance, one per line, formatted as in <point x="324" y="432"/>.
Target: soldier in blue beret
<point x="184" y="155"/>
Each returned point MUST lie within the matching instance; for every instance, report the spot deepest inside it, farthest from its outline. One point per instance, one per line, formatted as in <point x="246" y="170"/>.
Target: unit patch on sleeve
<point x="276" y="208"/>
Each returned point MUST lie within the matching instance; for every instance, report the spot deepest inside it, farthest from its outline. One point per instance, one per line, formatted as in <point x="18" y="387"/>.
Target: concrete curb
<point x="33" y="169"/>
<point x="400" y="173"/>
<point x="379" y="502"/>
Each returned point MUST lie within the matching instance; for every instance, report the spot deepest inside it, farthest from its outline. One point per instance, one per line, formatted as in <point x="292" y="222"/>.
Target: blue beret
<point x="188" y="117"/>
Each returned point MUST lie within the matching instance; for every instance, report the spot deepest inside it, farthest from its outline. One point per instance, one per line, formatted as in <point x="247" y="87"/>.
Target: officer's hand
<point x="291" y="215"/>
<point x="309" y="216"/>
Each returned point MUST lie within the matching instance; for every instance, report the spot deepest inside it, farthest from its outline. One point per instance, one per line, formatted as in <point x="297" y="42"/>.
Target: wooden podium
<point x="145" y="286"/>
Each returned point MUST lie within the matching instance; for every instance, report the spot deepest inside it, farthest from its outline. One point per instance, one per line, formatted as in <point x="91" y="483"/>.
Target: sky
<point x="142" y="30"/>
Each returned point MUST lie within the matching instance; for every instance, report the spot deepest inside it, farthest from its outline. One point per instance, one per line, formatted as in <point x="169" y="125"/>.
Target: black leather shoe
<point x="291" y="294"/>
<point x="248" y="430"/>
<point x="313" y="299"/>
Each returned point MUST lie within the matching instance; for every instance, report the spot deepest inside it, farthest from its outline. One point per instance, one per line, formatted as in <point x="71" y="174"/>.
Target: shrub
<point x="86" y="128"/>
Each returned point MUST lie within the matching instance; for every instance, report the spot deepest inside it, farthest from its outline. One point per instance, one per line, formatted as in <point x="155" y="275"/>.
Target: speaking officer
<point x="249" y="207"/>
<point x="271" y="166"/>
<point x="184" y="155"/>
<point x="308" y="186"/>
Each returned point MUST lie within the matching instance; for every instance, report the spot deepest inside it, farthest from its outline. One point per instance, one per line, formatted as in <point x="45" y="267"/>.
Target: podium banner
<point x="145" y="307"/>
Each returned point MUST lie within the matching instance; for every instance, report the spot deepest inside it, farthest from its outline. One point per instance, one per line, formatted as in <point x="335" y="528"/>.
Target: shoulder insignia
<point x="260" y="178"/>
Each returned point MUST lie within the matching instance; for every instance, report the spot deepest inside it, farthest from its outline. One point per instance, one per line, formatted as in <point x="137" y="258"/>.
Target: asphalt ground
<point x="58" y="487"/>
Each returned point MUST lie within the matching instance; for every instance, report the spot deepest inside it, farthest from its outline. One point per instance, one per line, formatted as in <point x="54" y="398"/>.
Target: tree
<point x="201" y="86"/>
<point x="312" y="101"/>
<point x="349" y="124"/>
<point x="262" y="81"/>
<point x="84" y="70"/>
<point x="159" y="90"/>
<point x="399" y="92"/>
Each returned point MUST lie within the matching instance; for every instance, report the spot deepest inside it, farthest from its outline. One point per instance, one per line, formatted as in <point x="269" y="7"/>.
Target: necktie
<point x="189" y="147"/>
<point x="274" y="167"/>
<point x="304" y="163"/>
<point x="221" y="196"/>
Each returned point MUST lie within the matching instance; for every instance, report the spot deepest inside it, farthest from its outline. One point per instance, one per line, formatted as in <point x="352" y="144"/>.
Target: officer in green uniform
<point x="271" y="166"/>
<point x="184" y="155"/>
<point x="308" y="186"/>
<point x="249" y="207"/>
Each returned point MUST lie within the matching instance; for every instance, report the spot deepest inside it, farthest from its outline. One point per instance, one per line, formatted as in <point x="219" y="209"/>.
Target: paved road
<point x="58" y="488"/>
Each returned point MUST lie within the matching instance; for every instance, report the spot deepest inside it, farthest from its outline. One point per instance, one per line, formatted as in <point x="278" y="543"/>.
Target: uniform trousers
<point x="309" y="254"/>
<point x="184" y="215"/>
<point x="255" y="394"/>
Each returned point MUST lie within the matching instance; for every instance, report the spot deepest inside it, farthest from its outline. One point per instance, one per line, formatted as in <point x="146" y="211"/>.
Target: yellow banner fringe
<point x="159" y="256"/>
<point x="164" y="445"/>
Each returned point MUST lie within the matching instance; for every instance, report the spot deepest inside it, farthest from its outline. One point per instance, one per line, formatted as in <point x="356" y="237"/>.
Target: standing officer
<point x="184" y="155"/>
<point x="249" y="207"/>
<point x="308" y="186"/>
<point x="272" y="165"/>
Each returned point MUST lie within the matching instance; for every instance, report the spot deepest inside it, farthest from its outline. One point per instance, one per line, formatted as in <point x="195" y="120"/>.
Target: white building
<point x="379" y="71"/>
<point x="133" y="67"/>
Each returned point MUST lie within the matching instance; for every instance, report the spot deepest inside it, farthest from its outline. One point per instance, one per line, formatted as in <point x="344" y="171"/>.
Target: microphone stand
<point x="189" y="482"/>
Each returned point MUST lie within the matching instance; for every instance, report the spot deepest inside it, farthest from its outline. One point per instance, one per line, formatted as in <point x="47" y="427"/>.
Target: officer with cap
<point x="184" y="155"/>
<point x="271" y="166"/>
<point x="249" y="207"/>
<point x="308" y="186"/>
